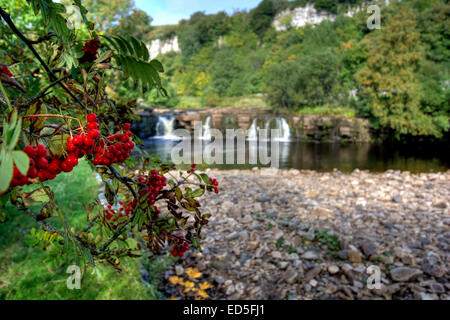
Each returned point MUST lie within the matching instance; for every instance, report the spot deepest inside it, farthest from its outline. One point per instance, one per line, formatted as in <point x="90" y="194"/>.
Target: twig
<point x="125" y="180"/>
<point x="44" y="91"/>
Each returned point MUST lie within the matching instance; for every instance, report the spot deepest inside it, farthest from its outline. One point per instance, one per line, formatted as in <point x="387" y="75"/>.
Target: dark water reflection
<point x="327" y="156"/>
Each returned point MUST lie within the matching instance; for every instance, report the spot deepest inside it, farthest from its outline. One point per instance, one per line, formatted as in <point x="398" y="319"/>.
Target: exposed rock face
<point x="300" y="17"/>
<point x="159" y="46"/>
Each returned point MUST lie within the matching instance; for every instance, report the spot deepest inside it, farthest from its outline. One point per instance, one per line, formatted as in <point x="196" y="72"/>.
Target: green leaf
<point x="132" y="243"/>
<point x="157" y="65"/>
<point x="22" y="161"/>
<point x="205" y="178"/>
<point x="15" y="137"/>
<point x="178" y="193"/>
<point x="6" y="171"/>
<point x="40" y="195"/>
<point x="198" y="193"/>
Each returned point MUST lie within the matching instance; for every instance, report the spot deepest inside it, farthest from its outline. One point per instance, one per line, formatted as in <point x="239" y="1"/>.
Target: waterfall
<point x="207" y="129"/>
<point x="253" y="131"/>
<point x="280" y="123"/>
<point x="165" y="127"/>
<point x="285" y="131"/>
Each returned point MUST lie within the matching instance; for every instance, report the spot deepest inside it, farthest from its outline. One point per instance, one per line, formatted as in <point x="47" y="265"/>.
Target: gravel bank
<point x="308" y="235"/>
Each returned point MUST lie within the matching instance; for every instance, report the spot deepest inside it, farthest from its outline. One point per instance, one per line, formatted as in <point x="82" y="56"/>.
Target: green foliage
<point x="29" y="273"/>
<point x="262" y="16"/>
<point x="134" y="58"/>
<point x="389" y="82"/>
<point x="309" y="80"/>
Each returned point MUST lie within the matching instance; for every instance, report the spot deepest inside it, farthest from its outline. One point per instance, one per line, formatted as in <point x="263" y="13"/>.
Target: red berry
<point x="94" y="133"/>
<point x="92" y="117"/>
<point x="78" y="140"/>
<point x="66" y="167"/>
<point x="126" y="126"/>
<point x="87" y="141"/>
<point x="72" y="160"/>
<point x="42" y="163"/>
<point x="42" y="151"/>
<point x="32" y="172"/>
<point x="128" y="133"/>
<point x="54" y="166"/>
<point x="92" y="125"/>
<point x="31" y="151"/>
<point x="71" y="147"/>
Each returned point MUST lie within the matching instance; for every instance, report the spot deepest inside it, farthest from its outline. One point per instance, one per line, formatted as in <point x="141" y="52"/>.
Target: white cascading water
<point x="207" y="129"/>
<point x="280" y="123"/>
<point x="285" y="131"/>
<point x="165" y="127"/>
<point x="253" y="131"/>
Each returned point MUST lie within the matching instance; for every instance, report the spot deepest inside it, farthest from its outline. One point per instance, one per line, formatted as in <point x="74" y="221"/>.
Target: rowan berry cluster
<point x="123" y="211"/>
<point x="119" y="150"/>
<point x="5" y="70"/>
<point x="180" y="247"/>
<point x="90" y="51"/>
<point x="151" y="186"/>
<point x="48" y="167"/>
<point x="215" y="183"/>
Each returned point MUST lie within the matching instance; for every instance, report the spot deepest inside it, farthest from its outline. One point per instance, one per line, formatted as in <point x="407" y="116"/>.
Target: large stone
<point x="290" y="276"/>
<point x="405" y="274"/>
<point x="311" y="274"/>
<point x="333" y="269"/>
<point x="433" y="265"/>
<point x="368" y="248"/>
<point x="310" y="255"/>
<point x="354" y="255"/>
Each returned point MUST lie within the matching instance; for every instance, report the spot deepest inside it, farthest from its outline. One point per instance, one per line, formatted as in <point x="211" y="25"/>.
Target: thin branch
<point x="42" y="38"/>
<point x="125" y="180"/>
<point x="44" y="91"/>
<point x="29" y="44"/>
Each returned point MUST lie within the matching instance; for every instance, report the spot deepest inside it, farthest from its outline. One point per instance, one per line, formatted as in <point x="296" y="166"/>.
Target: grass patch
<point x="25" y="275"/>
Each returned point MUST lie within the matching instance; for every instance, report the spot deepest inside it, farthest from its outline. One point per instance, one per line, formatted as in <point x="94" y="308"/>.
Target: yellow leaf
<point x="205" y="286"/>
<point x="189" y="285"/>
<point x="172" y="298"/>
<point x="175" y="280"/>
<point x="193" y="273"/>
<point x="202" y="294"/>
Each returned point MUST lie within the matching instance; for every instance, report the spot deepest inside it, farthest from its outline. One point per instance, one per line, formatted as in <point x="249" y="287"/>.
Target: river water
<point x="328" y="156"/>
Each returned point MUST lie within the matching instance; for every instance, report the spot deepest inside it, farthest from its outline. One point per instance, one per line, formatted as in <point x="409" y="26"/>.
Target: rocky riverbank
<point x="308" y="235"/>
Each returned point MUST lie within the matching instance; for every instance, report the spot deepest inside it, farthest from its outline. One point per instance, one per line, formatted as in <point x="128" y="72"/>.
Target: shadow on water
<point x="328" y="156"/>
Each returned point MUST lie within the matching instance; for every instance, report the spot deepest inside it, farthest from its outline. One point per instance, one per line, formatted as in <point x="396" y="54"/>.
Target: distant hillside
<point x="306" y="55"/>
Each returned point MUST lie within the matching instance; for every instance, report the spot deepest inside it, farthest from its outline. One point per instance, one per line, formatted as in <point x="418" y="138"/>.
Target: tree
<point x="389" y="84"/>
<point x="311" y="80"/>
<point x="69" y="117"/>
<point x="107" y="13"/>
<point x="137" y="24"/>
<point x="261" y="17"/>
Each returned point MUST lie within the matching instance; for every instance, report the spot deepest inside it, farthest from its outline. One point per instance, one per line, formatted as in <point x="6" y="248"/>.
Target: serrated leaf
<point x="22" y="161"/>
